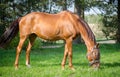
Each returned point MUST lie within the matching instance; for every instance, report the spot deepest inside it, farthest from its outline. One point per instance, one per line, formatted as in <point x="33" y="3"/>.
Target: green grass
<point x="47" y="63"/>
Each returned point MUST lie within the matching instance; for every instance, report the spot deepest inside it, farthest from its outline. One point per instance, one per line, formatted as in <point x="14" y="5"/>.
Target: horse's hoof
<point x="29" y="66"/>
<point x="72" y="68"/>
<point x="16" y="68"/>
<point x="63" y="68"/>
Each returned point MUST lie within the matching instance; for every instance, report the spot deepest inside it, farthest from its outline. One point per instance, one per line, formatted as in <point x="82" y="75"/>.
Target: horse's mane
<point x="89" y="31"/>
<point x="85" y="25"/>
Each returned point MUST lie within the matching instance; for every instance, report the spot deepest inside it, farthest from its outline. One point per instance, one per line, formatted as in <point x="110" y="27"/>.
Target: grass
<point x="47" y="63"/>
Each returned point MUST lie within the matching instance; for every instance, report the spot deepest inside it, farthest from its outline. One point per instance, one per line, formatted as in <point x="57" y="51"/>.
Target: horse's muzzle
<point x="95" y="64"/>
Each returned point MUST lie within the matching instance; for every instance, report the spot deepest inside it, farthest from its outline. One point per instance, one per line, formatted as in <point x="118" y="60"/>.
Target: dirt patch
<point x="107" y="41"/>
<point x="52" y="46"/>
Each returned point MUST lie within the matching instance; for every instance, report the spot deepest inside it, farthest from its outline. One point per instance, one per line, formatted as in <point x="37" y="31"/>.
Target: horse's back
<point x="47" y="26"/>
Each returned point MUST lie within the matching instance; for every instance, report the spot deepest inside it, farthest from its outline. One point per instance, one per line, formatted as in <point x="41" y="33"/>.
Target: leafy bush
<point x="15" y="41"/>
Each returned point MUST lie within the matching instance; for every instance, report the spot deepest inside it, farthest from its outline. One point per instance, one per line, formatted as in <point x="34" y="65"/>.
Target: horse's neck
<point x="87" y="34"/>
<point x="89" y="43"/>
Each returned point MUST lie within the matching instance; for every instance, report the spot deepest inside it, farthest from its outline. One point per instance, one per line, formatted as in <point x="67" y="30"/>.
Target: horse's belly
<point x="47" y="34"/>
<point x="49" y="37"/>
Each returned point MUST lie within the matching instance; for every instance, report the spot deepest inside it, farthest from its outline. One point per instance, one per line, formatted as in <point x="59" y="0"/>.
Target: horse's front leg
<point x="68" y="51"/>
<point x="69" y="47"/>
<point x="64" y="58"/>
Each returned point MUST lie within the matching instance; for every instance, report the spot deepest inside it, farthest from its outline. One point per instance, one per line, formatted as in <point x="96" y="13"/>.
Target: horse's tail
<point x="10" y="33"/>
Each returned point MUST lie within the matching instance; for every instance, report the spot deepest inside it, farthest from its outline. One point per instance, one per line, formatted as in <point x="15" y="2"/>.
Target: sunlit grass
<point x="47" y="63"/>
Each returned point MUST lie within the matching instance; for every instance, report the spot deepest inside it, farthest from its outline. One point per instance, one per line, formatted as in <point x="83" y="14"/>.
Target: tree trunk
<point x="64" y="4"/>
<point x="80" y="11"/>
<point x="118" y="26"/>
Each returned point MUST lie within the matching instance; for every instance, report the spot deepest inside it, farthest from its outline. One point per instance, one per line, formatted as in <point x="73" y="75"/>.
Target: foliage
<point x="37" y="44"/>
<point x="13" y="9"/>
<point x="108" y="10"/>
<point x="47" y="63"/>
<point x="110" y="21"/>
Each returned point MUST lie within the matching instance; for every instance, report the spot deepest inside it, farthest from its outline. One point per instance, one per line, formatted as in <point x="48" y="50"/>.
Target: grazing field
<point x="46" y="62"/>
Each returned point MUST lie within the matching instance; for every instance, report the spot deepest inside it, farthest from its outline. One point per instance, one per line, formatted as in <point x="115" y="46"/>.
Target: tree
<point x="109" y="13"/>
<point x="79" y="9"/>
<point x="13" y="9"/>
<point x="4" y="17"/>
<point x="111" y="19"/>
<point x="118" y="26"/>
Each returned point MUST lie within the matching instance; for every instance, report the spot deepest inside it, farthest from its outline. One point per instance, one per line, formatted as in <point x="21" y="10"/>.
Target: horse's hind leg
<point x="19" y="47"/>
<point x="32" y="38"/>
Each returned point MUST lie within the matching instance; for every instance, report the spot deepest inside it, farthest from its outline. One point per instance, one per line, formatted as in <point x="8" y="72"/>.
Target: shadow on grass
<point x="103" y="65"/>
<point x="80" y="64"/>
<point x="115" y="64"/>
<point x="109" y="65"/>
<point x="59" y="64"/>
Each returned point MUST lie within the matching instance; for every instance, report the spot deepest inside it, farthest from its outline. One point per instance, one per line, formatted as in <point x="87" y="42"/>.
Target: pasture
<point x="46" y="62"/>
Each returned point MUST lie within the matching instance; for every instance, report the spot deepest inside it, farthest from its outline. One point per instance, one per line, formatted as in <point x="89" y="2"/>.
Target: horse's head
<point x="94" y="57"/>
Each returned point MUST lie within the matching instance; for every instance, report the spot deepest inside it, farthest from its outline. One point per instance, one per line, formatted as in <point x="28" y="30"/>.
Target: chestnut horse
<point x="62" y="26"/>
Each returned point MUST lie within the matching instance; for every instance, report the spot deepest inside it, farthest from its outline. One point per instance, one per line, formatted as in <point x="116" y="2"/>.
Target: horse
<point x="61" y="26"/>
